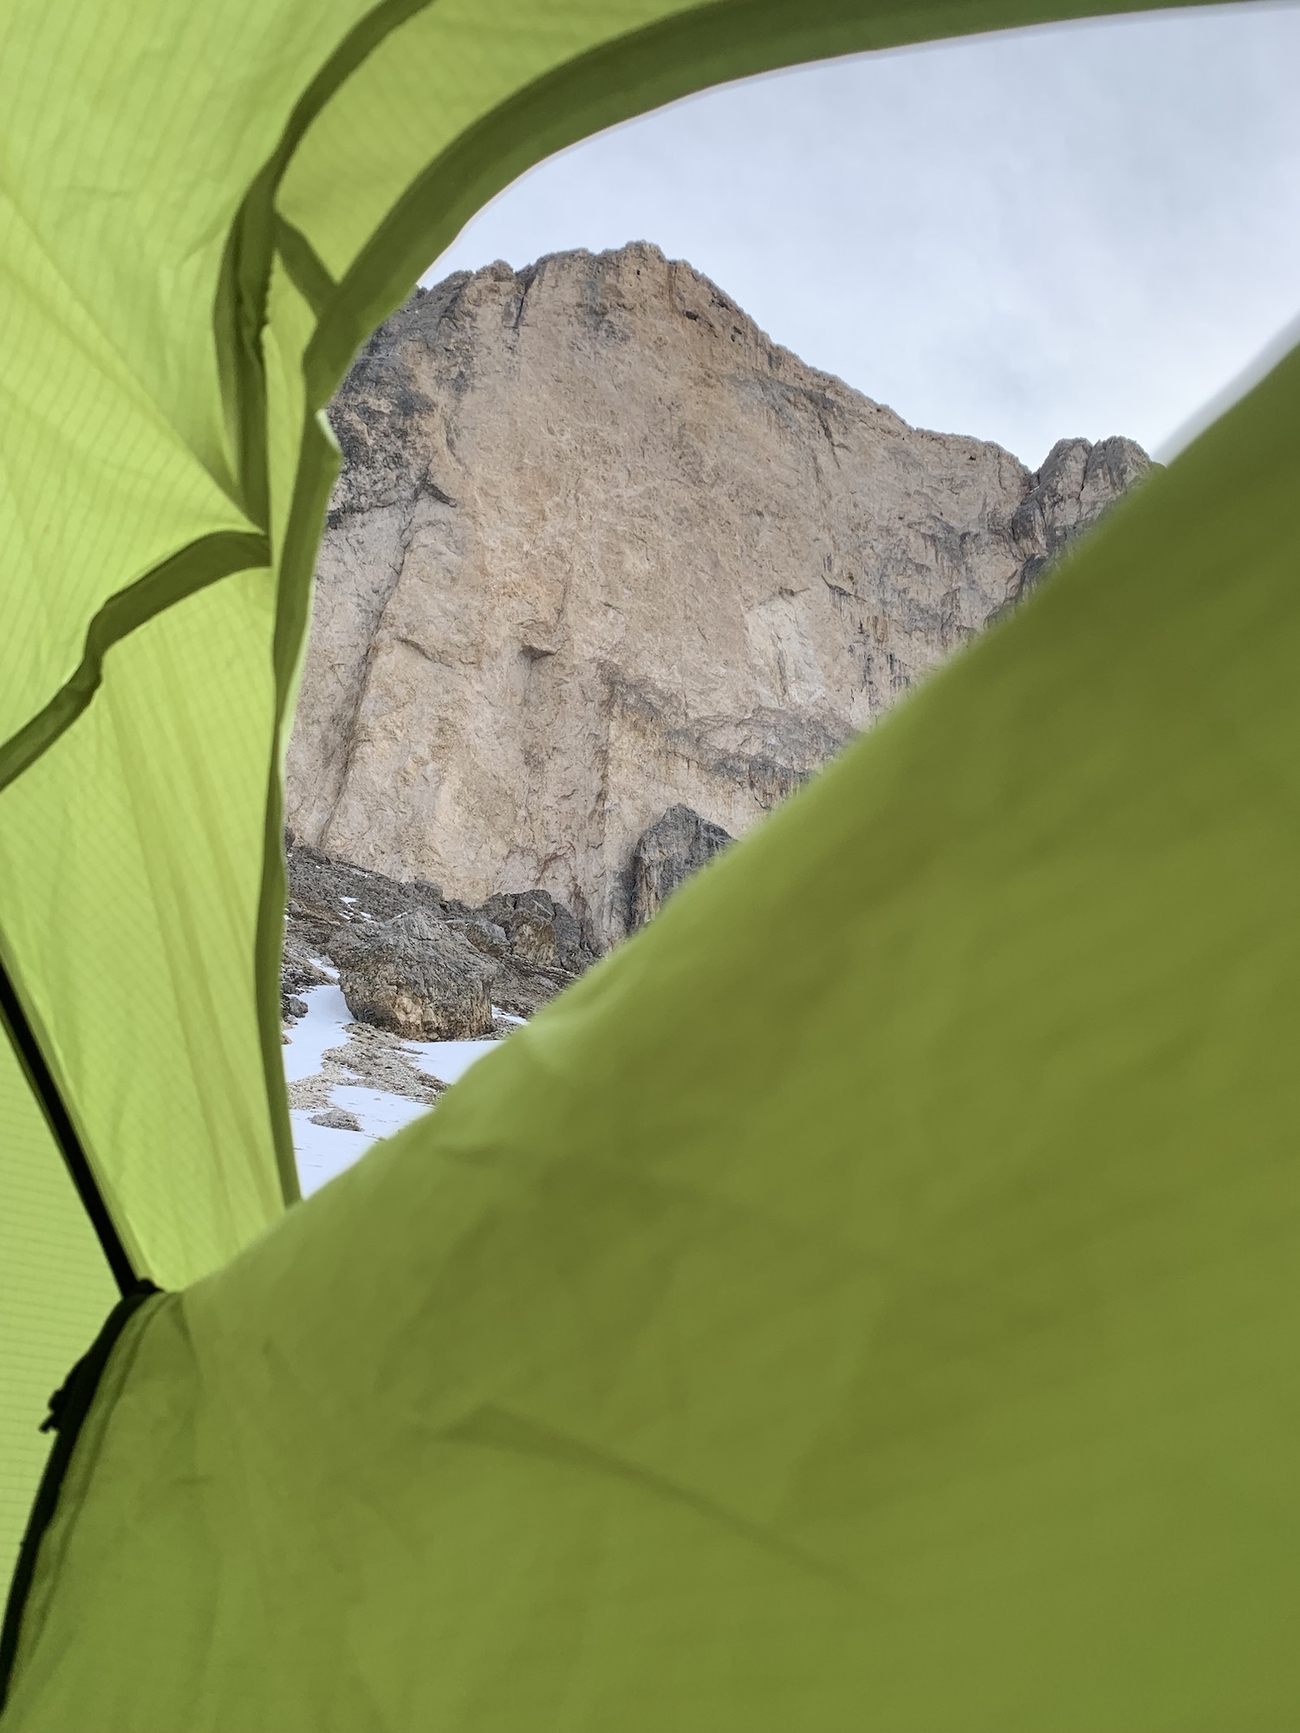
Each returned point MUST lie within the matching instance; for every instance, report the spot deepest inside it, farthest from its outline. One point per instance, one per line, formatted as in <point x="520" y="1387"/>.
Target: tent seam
<point x="307" y="271"/>
<point x="181" y="575"/>
<point x="239" y="317"/>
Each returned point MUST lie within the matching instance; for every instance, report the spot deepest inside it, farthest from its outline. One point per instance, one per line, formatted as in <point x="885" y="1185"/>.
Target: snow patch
<point x="324" y="1151"/>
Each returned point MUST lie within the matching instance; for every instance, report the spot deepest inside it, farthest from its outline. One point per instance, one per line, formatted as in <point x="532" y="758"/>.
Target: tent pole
<point x="40" y="1079"/>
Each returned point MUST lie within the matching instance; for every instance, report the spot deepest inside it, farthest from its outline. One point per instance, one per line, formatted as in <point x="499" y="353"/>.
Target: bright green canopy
<point x="869" y="1298"/>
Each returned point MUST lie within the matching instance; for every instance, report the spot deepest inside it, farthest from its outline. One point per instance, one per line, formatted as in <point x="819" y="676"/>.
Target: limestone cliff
<point x="600" y="548"/>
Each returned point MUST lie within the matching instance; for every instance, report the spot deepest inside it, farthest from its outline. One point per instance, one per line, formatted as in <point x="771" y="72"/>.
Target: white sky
<point x="1087" y="229"/>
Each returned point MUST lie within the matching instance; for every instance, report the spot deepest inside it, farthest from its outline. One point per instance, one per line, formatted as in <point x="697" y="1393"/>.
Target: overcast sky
<point x="1088" y="229"/>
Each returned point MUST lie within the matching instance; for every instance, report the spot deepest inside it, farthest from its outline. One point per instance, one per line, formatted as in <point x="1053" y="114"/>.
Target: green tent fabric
<point x="868" y="1298"/>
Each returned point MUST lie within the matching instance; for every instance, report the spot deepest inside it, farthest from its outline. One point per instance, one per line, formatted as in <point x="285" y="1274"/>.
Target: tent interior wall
<point x="888" y="1324"/>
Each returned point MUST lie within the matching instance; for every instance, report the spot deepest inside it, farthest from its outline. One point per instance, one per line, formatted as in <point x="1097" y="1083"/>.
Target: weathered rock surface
<point x="419" y="978"/>
<point x="415" y="963"/>
<point x="1070" y="492"/>
<point x="666" y="854"/>
<point x="298" y="974"/>
<point x="600" y="548"/>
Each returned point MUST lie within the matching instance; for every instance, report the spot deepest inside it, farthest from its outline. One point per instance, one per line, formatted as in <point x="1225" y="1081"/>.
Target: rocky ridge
<point x="600" y="550"/>
<point x="415" y="963"/>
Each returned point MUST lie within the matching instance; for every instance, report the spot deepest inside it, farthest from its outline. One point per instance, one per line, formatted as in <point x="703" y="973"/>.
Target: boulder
<point x="336" y="1119"/>
<point x="418" y="977"/>
<point x="667" y="852"/>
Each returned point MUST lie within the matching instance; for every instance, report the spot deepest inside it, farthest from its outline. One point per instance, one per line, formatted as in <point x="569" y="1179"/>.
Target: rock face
<point x="600" y="549"/>
<point x="1070" y="492"/>
<point x="666" y="854"/>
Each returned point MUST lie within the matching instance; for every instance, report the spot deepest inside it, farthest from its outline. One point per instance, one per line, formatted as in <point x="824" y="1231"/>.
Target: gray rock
<point x="346" y="941"/>
<point x="418" y="977"/>
<point x="521" y="990"/>
<point x="540" y="931"/>
<point x="298" y="975"/>
<point x="337" y="1119"/>
<point x="484" y="935"/>
<point x="668" y="852"/>
<point x="341" y="911"/>
<point x="1076" y="485"/>
<point x="324" y="889"/>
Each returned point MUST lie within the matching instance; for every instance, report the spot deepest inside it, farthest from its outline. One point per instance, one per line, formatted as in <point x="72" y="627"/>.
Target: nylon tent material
<point x="866" y="1299"/>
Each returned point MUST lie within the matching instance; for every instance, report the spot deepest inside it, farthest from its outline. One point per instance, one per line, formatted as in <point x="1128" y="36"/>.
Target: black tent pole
<point x="64" y="1132"/>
